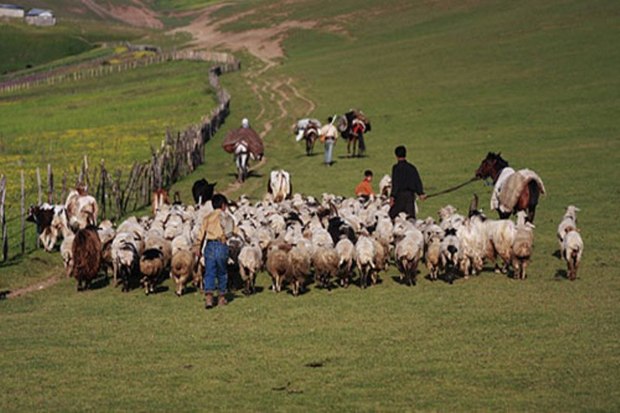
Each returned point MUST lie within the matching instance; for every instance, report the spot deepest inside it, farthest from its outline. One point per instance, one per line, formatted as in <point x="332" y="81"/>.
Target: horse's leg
<point x="349" y="147"/>
<point x="534" y="194"/>
<point x="503" y="215"/>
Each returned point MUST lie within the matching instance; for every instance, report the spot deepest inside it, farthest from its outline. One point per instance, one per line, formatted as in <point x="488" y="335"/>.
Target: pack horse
<point x="513" y="191"/>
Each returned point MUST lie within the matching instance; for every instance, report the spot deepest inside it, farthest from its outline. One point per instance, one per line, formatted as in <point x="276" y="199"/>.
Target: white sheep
<point x="568" y="223"/>
<point x="250" y="263"/>
<point x="522" y="245"/>
<point x="385" y="186"/>
<point x="473" y="241"/>
<point x="66" y="253"/>
<point x="500" y="237"/>
<point x="365" y="258"/>
<point x="346" y="252"/>
<point x="125" y="258"/>
<point x="572" y="249"/>
<point x="408" y="253"/>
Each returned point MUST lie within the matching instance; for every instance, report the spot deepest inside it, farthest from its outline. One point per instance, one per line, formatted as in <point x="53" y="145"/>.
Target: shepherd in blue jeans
<point x="329" y="134"/>
<point x="216" y="228"/>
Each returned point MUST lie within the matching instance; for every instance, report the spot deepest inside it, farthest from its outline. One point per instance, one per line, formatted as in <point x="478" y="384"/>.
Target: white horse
<point x="242" y="155"/>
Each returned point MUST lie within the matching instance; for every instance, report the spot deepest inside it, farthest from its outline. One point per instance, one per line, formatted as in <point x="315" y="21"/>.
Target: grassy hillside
<point x="25" y="47"/>
<point x="452" y="81"/>
<point x="117" y="118"/>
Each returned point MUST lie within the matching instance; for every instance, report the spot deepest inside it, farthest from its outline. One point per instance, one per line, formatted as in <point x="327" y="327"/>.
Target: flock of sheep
<point x="332" y="240"/>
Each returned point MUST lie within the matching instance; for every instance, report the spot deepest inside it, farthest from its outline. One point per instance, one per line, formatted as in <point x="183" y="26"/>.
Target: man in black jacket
<point x="406" y="183"/>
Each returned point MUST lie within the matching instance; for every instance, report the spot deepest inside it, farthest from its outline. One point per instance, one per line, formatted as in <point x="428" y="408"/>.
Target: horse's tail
<point x="534" y="193"/>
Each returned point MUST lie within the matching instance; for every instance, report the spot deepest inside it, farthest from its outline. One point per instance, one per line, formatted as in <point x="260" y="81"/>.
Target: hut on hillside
<point x="11" y="11"/>
<point x="40" y="17"/>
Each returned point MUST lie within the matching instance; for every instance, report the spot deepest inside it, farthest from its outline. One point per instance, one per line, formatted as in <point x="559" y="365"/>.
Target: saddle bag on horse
<point x="247" y="135"/>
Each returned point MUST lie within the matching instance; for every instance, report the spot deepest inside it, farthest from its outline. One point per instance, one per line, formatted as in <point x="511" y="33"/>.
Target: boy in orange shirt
<point x="364" y="188"/>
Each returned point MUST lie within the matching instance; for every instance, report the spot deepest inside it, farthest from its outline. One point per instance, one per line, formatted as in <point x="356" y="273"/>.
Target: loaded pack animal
<point x="352" y="126"/>
<point x="513" y="190"/>
<point x="202" y="191"/>
<point x="310" y="136"/>
<point x="279" y="185"/>
<point x="242" y="157"/>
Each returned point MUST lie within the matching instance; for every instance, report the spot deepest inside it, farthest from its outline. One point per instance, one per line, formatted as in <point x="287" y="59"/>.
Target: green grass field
<point x="535" y="80"/>
<point x="117" y="118"/>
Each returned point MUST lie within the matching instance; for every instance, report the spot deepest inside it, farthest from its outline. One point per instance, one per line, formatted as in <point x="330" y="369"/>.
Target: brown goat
<point x="86" y="251"/>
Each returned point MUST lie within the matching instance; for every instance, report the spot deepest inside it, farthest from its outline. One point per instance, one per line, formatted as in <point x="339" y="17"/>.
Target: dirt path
<point x="264" y="44"/>
<point x="48" y="282"/>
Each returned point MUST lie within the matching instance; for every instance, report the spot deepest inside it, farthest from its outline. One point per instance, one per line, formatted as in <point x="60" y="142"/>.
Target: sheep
<point x="299" y="262"/>
<point x="385" y="186"/>
<point x="277" y="265"/>
<point x="86" y="251"/>
<point x="365" y="251"/>
<point x="155" y="241"/>
<point x="433" y="254"/>
<point x="522" y="245"/>
<point x="568" y="223"/>
<point x="66" y="252"/>
<point x="181" y="243"/>
<point x="572" y="249"/>
<point x="182" y="270"/>
<point x="346" y="252"/>
<point x="408" y="253"/>
<point x="326" y="264"/>
<point x="449" y="253"/>
<point x="151" y="268"/>
<point x="473" y="241"/>
<point x="384" y="232"/>
<point x="381" y="260"/>
<point x="125" y="259"/>
<point x="250" y="263"/>
<point x="500" y="237"/>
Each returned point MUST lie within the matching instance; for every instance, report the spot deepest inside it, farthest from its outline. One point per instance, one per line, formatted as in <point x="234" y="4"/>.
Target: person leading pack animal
<point x="406" y="184"/>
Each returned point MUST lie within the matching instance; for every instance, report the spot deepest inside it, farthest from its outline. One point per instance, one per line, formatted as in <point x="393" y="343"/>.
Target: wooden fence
<point x="179" y="155"/>
<point x="99" y="67"/>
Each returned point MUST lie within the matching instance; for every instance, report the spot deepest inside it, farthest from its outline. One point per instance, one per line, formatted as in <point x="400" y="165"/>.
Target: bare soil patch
<point x="264" y="43"/>
<point x="138" y="15"/>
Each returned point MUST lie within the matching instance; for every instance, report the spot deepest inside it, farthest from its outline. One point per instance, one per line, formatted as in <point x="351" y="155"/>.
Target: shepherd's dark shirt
<point x="406" y="183"/>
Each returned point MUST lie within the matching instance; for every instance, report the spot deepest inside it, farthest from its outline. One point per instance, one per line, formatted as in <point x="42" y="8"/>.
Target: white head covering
<point x="245" y="123"/>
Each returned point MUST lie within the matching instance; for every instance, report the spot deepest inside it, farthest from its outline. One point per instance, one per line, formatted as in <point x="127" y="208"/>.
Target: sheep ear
<point x="529" y="224"/>
<point x="577" y="209"/>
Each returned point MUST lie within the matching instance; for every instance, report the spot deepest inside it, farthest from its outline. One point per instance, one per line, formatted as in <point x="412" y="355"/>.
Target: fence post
<point x="50" y="184"/>
<point x="39" y="202"/>
<point x="23" y="213"/>
<point x="103" y="183"/>
<point x="63" y="193"/>
<point x="5" y="244"/>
